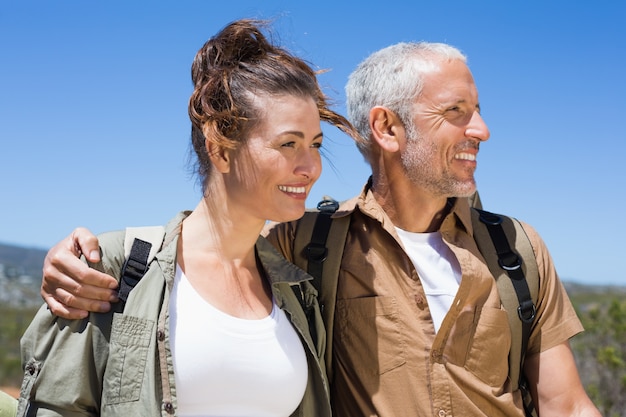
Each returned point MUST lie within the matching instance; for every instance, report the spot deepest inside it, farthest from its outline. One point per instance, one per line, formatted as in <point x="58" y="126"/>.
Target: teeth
<point x="295" y="190"/>
<point x="465" y="156"/>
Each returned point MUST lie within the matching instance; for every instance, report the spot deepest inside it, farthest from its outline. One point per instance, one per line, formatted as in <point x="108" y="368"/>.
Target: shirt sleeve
<point x="62" y="373"/>
<point x="556" y="320"/>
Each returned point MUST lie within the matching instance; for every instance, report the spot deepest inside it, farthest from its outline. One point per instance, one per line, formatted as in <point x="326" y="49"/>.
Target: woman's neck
<point x="217" y="254"/>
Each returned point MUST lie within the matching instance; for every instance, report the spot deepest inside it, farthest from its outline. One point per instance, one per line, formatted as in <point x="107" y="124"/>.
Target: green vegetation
<point x="600" y="351"/>
<point x="13" y="323"/>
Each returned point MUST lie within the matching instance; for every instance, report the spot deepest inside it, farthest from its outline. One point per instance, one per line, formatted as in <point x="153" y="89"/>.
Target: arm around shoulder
<point x="64" y="360"/>
<point x="69" y="287"/>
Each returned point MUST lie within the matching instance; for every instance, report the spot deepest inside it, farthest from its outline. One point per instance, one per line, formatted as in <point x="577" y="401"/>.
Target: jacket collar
<point x="278" y="269"/>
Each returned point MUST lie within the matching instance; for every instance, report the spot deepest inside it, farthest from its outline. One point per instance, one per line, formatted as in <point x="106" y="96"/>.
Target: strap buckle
<point x="328" y="205"/>
<point x="316" y="253"/>
<point x="527" y="311"/>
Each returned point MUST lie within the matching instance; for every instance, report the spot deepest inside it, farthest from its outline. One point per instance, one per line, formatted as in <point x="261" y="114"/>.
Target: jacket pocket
<point x="371" y="330"/>
<point x="126" y="366"/>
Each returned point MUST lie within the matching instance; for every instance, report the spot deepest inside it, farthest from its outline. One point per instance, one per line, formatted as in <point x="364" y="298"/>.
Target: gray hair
<point x="392" y="77"/>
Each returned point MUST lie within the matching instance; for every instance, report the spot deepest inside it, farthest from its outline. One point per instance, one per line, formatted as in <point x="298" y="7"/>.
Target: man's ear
<point x="219" y="156"/>
<point x="387" y="129"/>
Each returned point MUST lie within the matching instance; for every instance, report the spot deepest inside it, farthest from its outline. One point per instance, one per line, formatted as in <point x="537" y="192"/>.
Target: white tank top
<point x="226" y="366"/>
<point x="438" y="270"/>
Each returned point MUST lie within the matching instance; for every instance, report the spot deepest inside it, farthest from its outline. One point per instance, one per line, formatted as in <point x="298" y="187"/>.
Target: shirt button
<point x="160" y="335"/>
<point x="442" y="413"/>
<point x="168" y="407"/>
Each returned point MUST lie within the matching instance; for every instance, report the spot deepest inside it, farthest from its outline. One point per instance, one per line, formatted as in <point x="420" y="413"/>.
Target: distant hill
<point x="20" y="275"/>
<point x="22" y="261"/>
<point x="574" y="288"/>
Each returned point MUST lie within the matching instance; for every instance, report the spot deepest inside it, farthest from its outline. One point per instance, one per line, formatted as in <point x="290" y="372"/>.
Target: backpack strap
<point x="510" y="257"/>
<point x="141" y="244"/>
<point x="318" y="249"/>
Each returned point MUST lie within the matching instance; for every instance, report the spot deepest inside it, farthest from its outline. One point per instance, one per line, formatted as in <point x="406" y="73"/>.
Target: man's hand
<point x="69" y="287"/>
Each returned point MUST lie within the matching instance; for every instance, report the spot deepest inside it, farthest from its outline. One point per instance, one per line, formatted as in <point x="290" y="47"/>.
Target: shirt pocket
<point x="125" y="371"/>
<point x="488" y="355"/>
<point x="371" y="333"/>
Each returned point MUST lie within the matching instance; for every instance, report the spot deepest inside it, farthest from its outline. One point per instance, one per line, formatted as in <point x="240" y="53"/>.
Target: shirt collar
<point x="459" y="214"/>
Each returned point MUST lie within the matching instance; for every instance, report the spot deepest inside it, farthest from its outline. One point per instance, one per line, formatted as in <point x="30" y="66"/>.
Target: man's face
<point x="442" y="145"/>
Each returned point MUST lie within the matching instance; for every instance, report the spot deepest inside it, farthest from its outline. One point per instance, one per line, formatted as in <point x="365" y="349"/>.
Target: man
<point x="419" y="328"/>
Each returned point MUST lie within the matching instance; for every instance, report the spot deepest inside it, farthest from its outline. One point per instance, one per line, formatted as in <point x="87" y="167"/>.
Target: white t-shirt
<point x="438" y="270"/>
<point x="226" y="366"/>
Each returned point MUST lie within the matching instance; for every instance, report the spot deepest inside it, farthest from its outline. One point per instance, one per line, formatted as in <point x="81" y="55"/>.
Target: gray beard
<point x="418" y="165"/>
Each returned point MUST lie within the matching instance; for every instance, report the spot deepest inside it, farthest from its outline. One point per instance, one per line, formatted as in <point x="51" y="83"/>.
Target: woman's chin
<point x="289" y="217"/>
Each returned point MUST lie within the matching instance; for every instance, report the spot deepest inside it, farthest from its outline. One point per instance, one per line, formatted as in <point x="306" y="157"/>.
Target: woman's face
<point x="272" y="174"/>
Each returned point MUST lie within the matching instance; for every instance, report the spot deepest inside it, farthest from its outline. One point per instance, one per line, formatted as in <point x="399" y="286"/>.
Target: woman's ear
<point x="219" y="156"/>
<point x="387" y="129"/>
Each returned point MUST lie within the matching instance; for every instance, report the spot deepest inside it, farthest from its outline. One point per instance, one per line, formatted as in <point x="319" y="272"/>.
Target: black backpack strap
<point x="318" y="249"/>
<point x="315" y="252"/>
<point x="134" y="268"/>
<point x="140" y="246"/>
<point x="511" y="262"/>
<point x="509" y="254"/>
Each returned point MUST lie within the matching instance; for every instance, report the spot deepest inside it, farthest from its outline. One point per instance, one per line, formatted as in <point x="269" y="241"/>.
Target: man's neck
<point x="411" y="208"/>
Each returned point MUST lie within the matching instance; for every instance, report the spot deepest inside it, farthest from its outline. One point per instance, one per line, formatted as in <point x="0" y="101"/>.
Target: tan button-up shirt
<point x="387" y="359"/>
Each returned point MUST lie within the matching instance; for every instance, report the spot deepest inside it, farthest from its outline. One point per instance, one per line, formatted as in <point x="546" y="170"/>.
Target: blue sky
<point x="94" y="128"/>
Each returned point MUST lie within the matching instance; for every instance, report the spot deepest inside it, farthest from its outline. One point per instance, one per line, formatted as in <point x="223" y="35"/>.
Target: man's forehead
<point x="449" y="82"/>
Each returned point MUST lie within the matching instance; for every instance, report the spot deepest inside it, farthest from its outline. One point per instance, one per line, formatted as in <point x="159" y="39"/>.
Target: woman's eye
<point x="288" y="144"/>
<point x="316" y="145"/>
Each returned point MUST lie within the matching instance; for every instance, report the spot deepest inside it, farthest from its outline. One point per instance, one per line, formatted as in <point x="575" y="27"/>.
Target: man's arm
<point x="69" y="287"/>
<point x="555" y="384"/>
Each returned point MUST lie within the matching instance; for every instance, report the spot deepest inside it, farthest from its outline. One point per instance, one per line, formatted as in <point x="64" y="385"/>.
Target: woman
<point x="214" y="328"/>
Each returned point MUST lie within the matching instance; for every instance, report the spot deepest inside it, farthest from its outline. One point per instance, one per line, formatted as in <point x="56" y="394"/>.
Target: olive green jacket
<point x="118" y="364"/>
